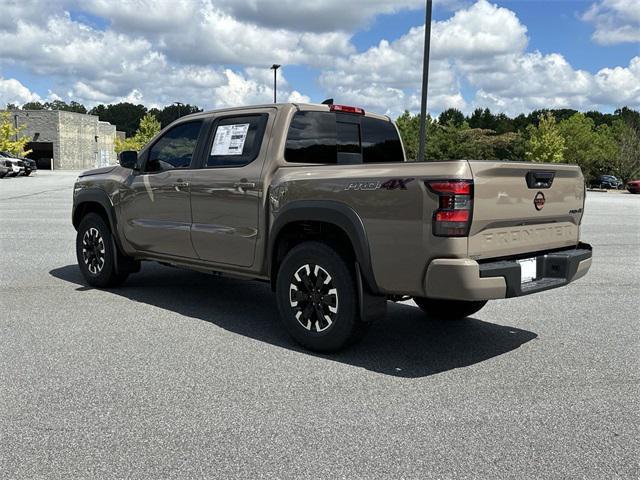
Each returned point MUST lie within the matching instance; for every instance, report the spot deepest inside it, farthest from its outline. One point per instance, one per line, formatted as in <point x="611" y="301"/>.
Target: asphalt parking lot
<point x="180" y="374"/>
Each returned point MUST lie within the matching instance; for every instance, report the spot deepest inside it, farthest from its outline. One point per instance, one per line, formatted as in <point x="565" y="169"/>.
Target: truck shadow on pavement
<point x="405" y="344"/>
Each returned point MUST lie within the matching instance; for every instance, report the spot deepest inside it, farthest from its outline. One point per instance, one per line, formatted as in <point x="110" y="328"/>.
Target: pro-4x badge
<point x="392" y="184"/>
<point x="538" y="201"/>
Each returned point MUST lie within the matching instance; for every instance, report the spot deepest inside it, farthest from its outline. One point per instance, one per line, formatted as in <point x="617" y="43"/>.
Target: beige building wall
<point x="79" y="141"/>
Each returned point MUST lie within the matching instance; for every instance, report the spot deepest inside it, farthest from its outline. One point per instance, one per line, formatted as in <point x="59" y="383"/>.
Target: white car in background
<point x="16" y="166"/>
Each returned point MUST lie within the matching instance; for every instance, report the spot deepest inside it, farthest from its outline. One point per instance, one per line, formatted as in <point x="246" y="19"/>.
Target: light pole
<point x="179" y="104"/>
<point x="425" y="80"/>
<point x="275" y="68"/>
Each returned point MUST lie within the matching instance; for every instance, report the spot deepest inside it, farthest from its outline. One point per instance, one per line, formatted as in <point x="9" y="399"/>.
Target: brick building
<point x="67" y="140"/>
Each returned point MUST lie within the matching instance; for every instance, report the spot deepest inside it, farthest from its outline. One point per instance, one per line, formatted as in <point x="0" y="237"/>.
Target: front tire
<point x="317" y="298"/>
<point x="448" y="309"/>
<point x="96" y="253"/>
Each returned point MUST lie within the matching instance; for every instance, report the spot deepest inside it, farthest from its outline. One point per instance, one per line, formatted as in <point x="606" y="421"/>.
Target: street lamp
<point x="275" y="68"/>
<point x="179" y="104"/>
<point x="425" y="80"/>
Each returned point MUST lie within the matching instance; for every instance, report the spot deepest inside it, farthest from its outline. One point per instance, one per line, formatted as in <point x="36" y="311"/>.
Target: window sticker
<point x="230" y="139"/>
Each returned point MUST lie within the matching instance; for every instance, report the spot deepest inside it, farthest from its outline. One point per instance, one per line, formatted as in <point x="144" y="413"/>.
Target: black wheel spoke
<point x="306" y="281"/>
<point x="93" y="250"/>
<point x="306" y="313"/>
<point x="314" y="308"/>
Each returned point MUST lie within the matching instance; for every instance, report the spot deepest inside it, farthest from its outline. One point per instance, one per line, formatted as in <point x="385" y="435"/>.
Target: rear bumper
<point x="466" y="279"/>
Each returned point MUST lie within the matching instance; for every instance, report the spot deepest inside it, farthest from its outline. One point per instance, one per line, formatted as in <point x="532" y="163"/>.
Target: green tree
<point x="66" y="107"/>
<point x="631" y="117"/>
<point x="10" y="139"/>
<point x="149" y="128"/>
<point x="451" y="116"/>
<point x="578" y="134"/>
<point x="125" y="116"/>
<point x="171" y="113"/>
<point x="453" y="142"/>
<point x="409" y="127"/>
<point x="33" y="106"/>
<point x="626" y="164"/>
<point x="544" y="144"/>
<point x="593" y="149"/>
<point x="482" y="119"/>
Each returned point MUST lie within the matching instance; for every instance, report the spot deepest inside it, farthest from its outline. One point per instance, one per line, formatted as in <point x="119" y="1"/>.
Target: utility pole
<point x="275" y="68"/>
<point x="425" y="80"/>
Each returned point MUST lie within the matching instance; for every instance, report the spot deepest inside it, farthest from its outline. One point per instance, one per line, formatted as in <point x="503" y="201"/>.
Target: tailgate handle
<point x="540" y="179"/>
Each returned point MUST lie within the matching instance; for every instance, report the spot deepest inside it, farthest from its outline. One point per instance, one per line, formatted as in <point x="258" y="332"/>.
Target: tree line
<point x="125" y="116"/>
<point x="600" y="143"/>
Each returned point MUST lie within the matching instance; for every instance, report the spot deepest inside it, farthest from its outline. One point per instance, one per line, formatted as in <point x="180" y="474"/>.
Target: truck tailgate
<point x="524" y="207"/>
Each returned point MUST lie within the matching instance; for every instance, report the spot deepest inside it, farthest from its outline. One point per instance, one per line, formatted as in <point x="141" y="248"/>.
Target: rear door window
<point x="237" y="140"/>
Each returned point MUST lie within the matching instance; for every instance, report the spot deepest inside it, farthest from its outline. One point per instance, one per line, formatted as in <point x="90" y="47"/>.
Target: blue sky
<point x="511" y="56"/>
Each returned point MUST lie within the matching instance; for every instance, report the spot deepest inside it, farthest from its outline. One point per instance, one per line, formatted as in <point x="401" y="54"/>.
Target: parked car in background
<point x="633" y="186"/>
<point x="607" y="181"/>
<point x="27" y="164"/>
<point x="13" y="165"/>
<point x="4" y="170"/>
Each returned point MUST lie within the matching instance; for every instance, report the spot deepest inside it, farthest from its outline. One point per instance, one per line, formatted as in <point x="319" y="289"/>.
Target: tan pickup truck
<point x="319" y="201"/>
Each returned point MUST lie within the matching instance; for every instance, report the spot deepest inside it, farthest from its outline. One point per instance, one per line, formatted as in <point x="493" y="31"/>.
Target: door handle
<point x="245" y="185"/>
<point x="181" y="185"/>
<point x="539" y="179"/>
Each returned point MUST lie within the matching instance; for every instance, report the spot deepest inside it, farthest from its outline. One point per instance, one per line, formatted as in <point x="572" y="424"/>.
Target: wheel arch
<point x="338" y="216"/>
<point x="93" y="201"/>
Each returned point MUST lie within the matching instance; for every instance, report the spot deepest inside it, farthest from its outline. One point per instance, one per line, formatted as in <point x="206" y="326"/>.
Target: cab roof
<point x="298" y="106"/>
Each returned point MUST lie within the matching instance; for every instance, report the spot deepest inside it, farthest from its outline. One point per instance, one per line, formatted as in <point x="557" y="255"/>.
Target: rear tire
<point x="317" y="298"/>
<point x="96" y="253"/>
<point x="448" y="309"/>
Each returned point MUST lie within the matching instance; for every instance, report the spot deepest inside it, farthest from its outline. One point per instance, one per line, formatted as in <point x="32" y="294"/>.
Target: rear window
<point x="329" y="138"/>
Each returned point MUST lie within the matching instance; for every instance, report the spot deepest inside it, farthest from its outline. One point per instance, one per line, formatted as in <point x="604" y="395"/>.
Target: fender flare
<point x="99" y="196"/>
<point x="94" y="195"/>
<point x="336" y="213"/>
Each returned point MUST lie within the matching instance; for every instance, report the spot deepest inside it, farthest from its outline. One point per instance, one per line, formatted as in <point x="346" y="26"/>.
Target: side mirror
<point x="129" y="159"/>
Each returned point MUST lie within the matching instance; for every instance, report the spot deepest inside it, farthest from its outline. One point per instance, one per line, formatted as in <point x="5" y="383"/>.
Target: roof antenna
<point x="328" y="101"/>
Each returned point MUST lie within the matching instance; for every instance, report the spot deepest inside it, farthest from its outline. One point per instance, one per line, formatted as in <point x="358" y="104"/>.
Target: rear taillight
<point x="455" y="206"/>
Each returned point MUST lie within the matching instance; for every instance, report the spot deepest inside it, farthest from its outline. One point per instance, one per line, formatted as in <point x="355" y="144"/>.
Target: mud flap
<point x="372" y="307"/>
<point x="124" y="264"/>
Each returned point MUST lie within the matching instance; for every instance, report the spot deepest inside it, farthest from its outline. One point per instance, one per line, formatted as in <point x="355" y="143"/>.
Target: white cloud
<point x="392" y="71"/>
<point x="214" y="35"/>
<point x="12" y="91"/>
<point x="217" y="53"/>
<point x="291" y="15"/>
<point x="316" y="16"/>
<point x="483" y="47"/>
<point x="615" y="21"/>
<point x="95" y="66"/>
